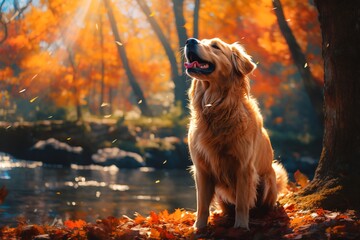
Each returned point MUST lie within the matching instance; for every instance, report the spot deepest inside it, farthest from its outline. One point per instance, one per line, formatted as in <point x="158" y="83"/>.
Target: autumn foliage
<point x="62" y="54"/>
<point x="282" y="223"/>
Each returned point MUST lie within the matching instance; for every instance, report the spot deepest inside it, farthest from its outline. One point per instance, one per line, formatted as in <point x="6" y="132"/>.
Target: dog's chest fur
<point x="218" y="145"/>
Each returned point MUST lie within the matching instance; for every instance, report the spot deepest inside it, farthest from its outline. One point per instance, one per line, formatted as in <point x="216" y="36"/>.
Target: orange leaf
<point x="301" y="179"/>
<point x="154" y="233"/>
<point x="177" y="215"/>
<point x="139" y="219"/>
<point x="75" y="224"/>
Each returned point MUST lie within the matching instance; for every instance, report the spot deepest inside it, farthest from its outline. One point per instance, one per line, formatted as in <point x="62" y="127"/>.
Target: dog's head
<point x="213" y="59"/>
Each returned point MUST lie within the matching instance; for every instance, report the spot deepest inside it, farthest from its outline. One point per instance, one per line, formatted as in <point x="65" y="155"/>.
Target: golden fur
<point x="230" y="149"/>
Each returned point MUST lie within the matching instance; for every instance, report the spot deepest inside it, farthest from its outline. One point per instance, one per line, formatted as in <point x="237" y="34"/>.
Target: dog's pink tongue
<point x="191" y="65"/>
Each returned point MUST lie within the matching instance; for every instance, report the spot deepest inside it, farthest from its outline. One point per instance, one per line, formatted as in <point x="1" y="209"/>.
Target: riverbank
<point x="93" y="142"/>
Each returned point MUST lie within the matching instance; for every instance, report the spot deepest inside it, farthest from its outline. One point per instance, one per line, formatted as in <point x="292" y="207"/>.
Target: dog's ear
<point x="241" y="60"/>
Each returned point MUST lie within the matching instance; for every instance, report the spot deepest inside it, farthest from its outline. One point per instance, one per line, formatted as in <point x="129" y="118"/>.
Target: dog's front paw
<point x="241" y="223"/>
<point x="200" y="224"/>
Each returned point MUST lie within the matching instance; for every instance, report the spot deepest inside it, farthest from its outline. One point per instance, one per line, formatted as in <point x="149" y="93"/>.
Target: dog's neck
<point x="222" y="108"/>
<point x="210" y="97"/>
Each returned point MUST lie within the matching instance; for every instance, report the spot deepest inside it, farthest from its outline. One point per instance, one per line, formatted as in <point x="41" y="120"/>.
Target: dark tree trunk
<point x="145" y="110"/>
<point x="313" y="89"/>
<point x="337" y="178"/>
<point x="102" y="67"/>
<point x="71" y="59"/>
<point x="177" y="76"/>
<point x="111" y="98"/>
<point x="178" y="8"/>
<point x="196" y="19"/>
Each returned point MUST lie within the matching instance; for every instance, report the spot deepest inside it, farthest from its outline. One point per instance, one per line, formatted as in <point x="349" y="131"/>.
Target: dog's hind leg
<point x="269" y="193"/>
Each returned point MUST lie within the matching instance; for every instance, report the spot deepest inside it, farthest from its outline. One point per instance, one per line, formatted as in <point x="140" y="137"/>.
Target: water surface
<point x="42" y="194"/>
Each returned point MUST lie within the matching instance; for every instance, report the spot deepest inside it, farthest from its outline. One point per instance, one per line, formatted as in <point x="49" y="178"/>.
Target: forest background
<point x="121" y="63"/>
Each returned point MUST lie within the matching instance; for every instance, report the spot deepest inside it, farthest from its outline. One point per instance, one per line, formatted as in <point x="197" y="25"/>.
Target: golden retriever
<point x="230" y="149"/>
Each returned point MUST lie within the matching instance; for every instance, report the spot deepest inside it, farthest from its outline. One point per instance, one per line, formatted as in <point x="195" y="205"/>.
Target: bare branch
<point x="4" y="21"/>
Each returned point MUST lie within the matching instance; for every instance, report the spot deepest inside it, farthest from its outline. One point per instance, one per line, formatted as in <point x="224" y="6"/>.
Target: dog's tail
<point x="281" y="177"/>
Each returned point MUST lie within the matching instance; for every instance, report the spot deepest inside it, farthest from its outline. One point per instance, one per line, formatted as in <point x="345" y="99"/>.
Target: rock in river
<point x="118" y="157"/>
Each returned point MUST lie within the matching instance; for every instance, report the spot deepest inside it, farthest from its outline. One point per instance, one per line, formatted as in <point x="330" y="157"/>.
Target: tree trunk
<point x="111" y="97"/>
<point x="178" y="8"/>
<point x="145" y="110"/>
<point x="337" y="178"/>
<point x="177" y="76"/>
<point x="102" y="67"/>
<point x="196" y="19"/>
<point x="313" y="89"/>
<point x="71" y="58"/>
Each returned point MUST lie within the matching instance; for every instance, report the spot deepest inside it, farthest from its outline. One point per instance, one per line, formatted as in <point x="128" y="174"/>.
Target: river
<point x="44" y="195"/>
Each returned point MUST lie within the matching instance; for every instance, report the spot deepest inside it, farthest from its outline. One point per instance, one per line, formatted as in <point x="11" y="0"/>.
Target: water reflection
<point x="43" y="194"/>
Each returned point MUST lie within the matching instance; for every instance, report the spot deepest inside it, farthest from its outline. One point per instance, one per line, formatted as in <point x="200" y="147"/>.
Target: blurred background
<point x="93" y="104"/>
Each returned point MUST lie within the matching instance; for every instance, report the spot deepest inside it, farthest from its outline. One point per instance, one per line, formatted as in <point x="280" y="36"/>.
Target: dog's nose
<point x="192" y="41"/>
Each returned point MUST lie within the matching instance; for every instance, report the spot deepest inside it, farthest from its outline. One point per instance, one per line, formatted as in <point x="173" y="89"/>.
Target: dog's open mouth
<point x="195" y="64"/>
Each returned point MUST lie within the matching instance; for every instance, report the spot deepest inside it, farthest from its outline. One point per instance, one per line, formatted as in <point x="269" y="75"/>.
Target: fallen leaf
<point x="301" y="179"/>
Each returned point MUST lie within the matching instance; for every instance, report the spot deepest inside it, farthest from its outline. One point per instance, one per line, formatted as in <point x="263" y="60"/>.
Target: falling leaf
<point x="33" y="99"/>
<point x="22" y="90"/>
<point x="107" y="116"/>
<point x="118" y="43"/>
<point x="157" y="181"/>
<point x="208" y="105"/>
<point x="114" y="141"/>
<point x="68" y="139"/>
<point x="305" y="65"/>
<point x="140" y="101"/>
<point x="105" y="104"/>
<point x="152" y="14"/>
<point x="34" y="77"/>
<point x="96" y="26"/>
<point x="164" y="162"/>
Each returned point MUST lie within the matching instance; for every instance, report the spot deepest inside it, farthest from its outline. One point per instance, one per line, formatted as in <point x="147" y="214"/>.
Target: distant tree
<point x="337" y="178"/>
<point x="177" y="73"/>
<point x="145" y="110"/>
<point x="313" y="89"/>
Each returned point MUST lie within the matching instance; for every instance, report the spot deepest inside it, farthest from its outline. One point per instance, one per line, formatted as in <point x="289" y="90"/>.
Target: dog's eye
<point x="215" y="46"/>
